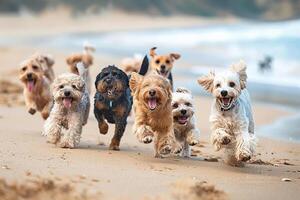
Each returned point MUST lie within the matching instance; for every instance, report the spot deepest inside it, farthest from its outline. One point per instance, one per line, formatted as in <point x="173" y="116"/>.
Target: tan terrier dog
<point x="47" y="62"/>
<point x="163" y="64"/>
<point x="152" y="97"/>
<point x="36" y="87"/>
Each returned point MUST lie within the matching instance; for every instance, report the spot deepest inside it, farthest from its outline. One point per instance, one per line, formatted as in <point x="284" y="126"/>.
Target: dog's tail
<point x="145" y="66"/>
<point x="82" y="70"/>
<point x="88" y="48"/>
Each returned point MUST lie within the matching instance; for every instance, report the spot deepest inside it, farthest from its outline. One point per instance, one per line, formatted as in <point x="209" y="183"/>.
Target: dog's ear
<point x="49" y="59"/>
<point x="134" y="81"/>
<point x="240" y="68"/>
<point x="152" y="51"/>
<point x="175" y="56"/>
<point x="207" y="81"/>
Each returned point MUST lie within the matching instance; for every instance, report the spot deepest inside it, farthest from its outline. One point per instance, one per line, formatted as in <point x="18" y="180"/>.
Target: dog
<point x="86" y="58"/>
<point x="36" y="87"/>
<point x="152" y="95"/>
<point x="112" y="102"/>
<point x="231" y="114"/>
<point x="47" y="62"/>
<point x="132" y="64"/>
<point x="161" y="65"/>
<point x="70" y="110"/>
<point x="184" y="121"/>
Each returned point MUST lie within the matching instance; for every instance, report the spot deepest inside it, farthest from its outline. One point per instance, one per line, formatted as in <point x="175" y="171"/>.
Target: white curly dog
<point x="231" y="114"/>
<point x="70" y="110"/>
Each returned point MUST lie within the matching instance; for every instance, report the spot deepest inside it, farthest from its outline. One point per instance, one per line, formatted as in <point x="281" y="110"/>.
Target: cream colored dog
<point x="184" y="121"/>
<point x="231" y="114"/>
<point x="70" y="111"/>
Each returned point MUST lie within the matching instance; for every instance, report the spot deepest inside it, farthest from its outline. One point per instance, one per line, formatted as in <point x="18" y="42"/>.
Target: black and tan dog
<point x="113" y="102"/>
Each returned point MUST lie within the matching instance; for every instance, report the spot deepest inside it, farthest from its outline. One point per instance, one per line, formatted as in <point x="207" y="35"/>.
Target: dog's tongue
<point x="182" y="120"/>
<point x="67" y="102"/>
<point x="226" y="101"/>
<point x="152" y="104"/>
<point x="30" y="85"/>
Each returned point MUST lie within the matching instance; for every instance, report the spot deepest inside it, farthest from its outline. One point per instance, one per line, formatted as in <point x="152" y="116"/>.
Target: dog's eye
<point x="61" y="86"/>
<point x="188" y="104"/>
<point x="218" y="85"/>
<point x="24" y="69"/>
<point x="231" y="84"/>
<point x="74" y="87"/>
<point x="157" y="61"/>
<point x="175" y="105"/>
<point x="105" y="74"/>
<point x="168" y="61"/>
<point x="35" y="67"/>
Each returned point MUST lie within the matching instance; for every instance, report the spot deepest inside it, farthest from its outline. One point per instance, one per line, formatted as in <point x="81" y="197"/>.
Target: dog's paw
<point x="165" y="150"/>
<point x="67" y="144"/>
<point x="31" y="111"/>
<point x="114" y="147"/>
<point x="177" y="149"/>
<point x="221" y="139"/>
<point x="52" y="139"/>
<point x="193" y="142"/>
<point x="103" y="128"/>
<point x="243" y="156"/>
<point x="147" y="139"/>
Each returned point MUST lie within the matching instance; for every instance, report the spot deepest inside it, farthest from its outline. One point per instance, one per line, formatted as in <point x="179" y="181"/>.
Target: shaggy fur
<point x="36" y="87"/>
<point x="46" y="61"/>
<point x="153" y="112"/>
<point x="231" y="115"/>
<point x="184" y="121"/>
<point x="70" y="111"/>
<point x="112" y="102"/>
<point x="86" y="58"/>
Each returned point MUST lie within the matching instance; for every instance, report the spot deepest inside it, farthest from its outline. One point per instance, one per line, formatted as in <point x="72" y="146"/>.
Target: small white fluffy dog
<point x="231" y="113"/>
<point x="184" y="121"/>
<point x="70" y="110"/>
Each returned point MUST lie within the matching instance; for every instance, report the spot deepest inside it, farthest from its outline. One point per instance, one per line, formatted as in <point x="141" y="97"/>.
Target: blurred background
<point x="209" y="34"/>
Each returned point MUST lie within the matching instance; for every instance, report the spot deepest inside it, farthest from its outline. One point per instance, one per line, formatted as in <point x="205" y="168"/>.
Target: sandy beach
<point x="133" y="172"/>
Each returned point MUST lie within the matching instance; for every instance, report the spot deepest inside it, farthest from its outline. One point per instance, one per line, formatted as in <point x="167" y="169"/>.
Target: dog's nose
<point x="152" y="92"/>
<point x="67" y="93"/>
<point x="29" y="75"/>
<point x="183" y="112"/>
<point x="224" y="93"/>
<point x="162" y="67"/>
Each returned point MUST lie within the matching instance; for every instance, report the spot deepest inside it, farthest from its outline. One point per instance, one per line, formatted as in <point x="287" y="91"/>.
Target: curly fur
<point x="36" y="87"/>
<point x="112" y="102"/>
<point x="231" y="115"/>
<point x="70" y="111"/>
<point x="152" y="105"/>
<point x="184" y="121"/>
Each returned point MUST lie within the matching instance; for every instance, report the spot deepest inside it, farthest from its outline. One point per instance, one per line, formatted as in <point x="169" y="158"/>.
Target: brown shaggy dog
<point x="36" y="87"/>
<point x="46" y="61"/>
<point x="86" y="58"/>
<point x="152" y="97"/>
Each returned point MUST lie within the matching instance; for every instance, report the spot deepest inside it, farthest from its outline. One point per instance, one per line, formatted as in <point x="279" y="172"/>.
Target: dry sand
<point x="133" y="172"/>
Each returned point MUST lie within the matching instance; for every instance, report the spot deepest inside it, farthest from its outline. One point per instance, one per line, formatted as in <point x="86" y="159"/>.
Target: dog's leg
<point x="86" y="112"/>
<point x="52" y="129"/>
<point x="245" y="143"/>
<point x="144" y="133"/>
<point x="220" y="138"/>
<point x="119" y="131"/>
<point x="102" y="125"/>
<point x="192" y="137"/>
<point x="72" y="137"/>
<point x="30" y="104"/>
<point x="46" y="110"/>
